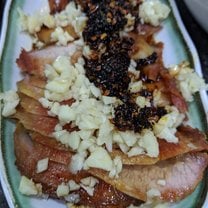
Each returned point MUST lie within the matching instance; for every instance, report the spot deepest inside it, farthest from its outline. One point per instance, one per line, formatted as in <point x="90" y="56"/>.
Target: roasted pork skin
<point x="134" y="180"/>
<point x="28" y="152"/>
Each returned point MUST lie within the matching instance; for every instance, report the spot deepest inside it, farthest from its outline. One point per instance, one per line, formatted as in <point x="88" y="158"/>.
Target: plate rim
<point x="197" y="66"/>
<point x="3" y="176"/>
<point x="193" y="51"/>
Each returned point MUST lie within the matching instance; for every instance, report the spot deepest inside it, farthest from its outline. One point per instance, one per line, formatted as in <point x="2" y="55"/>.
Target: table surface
<point x="198" y="35"/>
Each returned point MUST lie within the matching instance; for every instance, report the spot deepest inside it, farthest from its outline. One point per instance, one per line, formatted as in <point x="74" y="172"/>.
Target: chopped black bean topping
<point x="108" y="67"/>
<point x="105" y="18"/>
<point x="110" y="72"/>
<point x="145" y="93"/>
<point x="129" y="116"/>
<point x="146" y="61"/>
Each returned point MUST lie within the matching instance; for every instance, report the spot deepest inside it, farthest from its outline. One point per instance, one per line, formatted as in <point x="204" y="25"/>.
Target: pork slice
<point x="170" y="89"/>
<point x="35" y="118"/>
<point x="44" y="35"/>
<point x="31" y="105"/>
<point x="33" y="62"/>
<point x="30" y="90"/>
<point x="190" y="140"/>
<point x="24" y="144"/>
<point x="41" y="124"/>
<point x="44" y="125"/>
<point x="33" y="87"/>
<point x="57" y="5"/>
<point x="47" y="141"/>
<point x="35" y="81"/>
<point x="28" y="152"/>
<point x="141" y="159"/>
<point x="136" y="180"/>
<point x="172" y="179"/>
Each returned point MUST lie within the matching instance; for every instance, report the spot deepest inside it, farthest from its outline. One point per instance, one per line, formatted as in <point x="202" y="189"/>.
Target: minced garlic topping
<point x="66" y="189"/>
<point x="72" y="15"/>
<point x="10" y="102"/>
<point x="29" y="188"/>
<point x="42" y="165"/>
<point x="73" y="199"/>
<point x="91" y="112"/>
<point x="149" y="142"/>
<point x="61" y="37"/>
<point x="189" y="82"/>
<point x="62" y="190"/>
<point x="99" y="158"/>
<point x="88" y="184"/>
<point x="165" y="128"/>
<point x="33" y="23"/>
<point x="153" y="12"/>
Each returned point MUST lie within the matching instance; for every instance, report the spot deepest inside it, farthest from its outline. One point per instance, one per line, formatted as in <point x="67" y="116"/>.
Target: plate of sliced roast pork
<point x="103" y="105"/>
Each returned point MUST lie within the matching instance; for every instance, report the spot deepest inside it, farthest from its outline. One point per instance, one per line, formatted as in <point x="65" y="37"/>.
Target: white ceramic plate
<point x="178" y="47"/>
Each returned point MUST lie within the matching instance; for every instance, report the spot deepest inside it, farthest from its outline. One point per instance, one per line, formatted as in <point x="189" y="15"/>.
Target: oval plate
<point x="178" y="47"/>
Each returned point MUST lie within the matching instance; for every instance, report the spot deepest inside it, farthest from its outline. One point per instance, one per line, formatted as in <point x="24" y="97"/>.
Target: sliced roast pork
<point x="33" y="62"/>
<point x="171" y="180"/>
<point x="33" y="121"/>
<point x="28" y="152"/>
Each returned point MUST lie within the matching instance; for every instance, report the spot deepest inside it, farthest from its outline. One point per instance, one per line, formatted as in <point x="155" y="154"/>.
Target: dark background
<point x="198" y="35"/>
